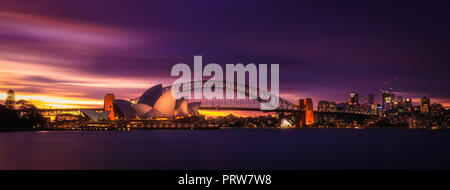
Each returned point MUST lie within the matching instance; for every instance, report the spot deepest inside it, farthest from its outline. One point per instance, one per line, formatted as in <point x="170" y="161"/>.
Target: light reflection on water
<point x="227" y="149"/>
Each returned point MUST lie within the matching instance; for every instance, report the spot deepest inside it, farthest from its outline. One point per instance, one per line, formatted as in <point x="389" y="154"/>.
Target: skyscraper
<point x="398" y="103"/>
<point x="408" y="104"/>
<point x="425" y="105"/>
<point x="388" y="100"/>
<point x="400" y="100"/>
<point x="353" y="99"/>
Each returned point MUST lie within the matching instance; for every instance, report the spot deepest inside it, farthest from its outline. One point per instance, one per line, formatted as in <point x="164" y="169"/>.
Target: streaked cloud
<point x="63" y="31"/>
<point x="84" y="49"/>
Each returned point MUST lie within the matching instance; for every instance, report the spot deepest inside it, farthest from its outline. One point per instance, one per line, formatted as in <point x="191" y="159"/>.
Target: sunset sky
<point x="71" y="53"/>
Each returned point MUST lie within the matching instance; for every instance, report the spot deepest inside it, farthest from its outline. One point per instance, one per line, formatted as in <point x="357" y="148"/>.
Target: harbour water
<point x="233" y="148"/>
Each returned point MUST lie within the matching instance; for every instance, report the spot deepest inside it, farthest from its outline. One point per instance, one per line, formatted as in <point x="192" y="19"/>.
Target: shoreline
<point x="192" y="128"/>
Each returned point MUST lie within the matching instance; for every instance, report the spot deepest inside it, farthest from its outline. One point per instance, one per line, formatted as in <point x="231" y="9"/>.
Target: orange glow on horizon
<point x="47" y="101"/>
<point x="213" y="113"/>
<point x="210" y="113"/>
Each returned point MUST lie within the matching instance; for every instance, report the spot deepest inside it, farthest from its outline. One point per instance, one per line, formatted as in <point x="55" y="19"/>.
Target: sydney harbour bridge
<point x="295" y="114"/>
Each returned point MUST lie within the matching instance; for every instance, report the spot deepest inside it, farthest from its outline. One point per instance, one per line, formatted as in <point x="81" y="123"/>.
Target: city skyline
<point x="68" y="56"/>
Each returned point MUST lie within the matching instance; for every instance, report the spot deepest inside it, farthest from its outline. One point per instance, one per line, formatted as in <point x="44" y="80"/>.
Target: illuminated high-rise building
<point x="388" y="100"/>
<point x="353" y="99"/>
<point x="408" y="104"/>
<point x="425" y="105"/>
<point x="374" y="108"/>
<point x="10" y="101"/>
<point x="400" y="100"/>
<point x="398" y="103"/>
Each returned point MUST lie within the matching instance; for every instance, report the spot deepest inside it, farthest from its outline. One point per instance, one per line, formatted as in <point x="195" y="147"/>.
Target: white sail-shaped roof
<point x="96" y="116"/>
<point x="125" y="108"/>
<point x="141" y="109"/>
<point x="181" y="107"/>
<point x="150" y="96"/>
<point x="154" y="114"/>
<point x="155" y="104"/>
<point x="165" y="104"/>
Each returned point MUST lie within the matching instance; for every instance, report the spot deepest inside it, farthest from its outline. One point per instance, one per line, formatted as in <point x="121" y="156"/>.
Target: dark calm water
<point x="227" y="149"/>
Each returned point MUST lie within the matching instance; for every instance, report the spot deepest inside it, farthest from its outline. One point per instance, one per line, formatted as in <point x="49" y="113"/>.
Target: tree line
<point x="26" y="116"/>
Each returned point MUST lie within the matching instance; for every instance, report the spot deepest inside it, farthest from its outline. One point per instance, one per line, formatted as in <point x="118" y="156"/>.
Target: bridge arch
<point x="239" y="104"/>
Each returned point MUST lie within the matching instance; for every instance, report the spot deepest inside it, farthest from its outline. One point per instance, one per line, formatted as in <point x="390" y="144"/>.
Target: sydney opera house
<point x="153" y="103"/>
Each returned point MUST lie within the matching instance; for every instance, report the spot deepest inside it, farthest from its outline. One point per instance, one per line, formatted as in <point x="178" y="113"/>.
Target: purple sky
<point x="83" y="49"/>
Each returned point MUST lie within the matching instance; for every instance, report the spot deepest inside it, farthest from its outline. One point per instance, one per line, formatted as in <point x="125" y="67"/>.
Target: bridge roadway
<point x="295" y="117"/>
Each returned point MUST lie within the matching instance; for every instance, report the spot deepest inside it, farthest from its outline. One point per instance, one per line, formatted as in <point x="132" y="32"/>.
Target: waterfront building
<point x="153" y="103"/>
